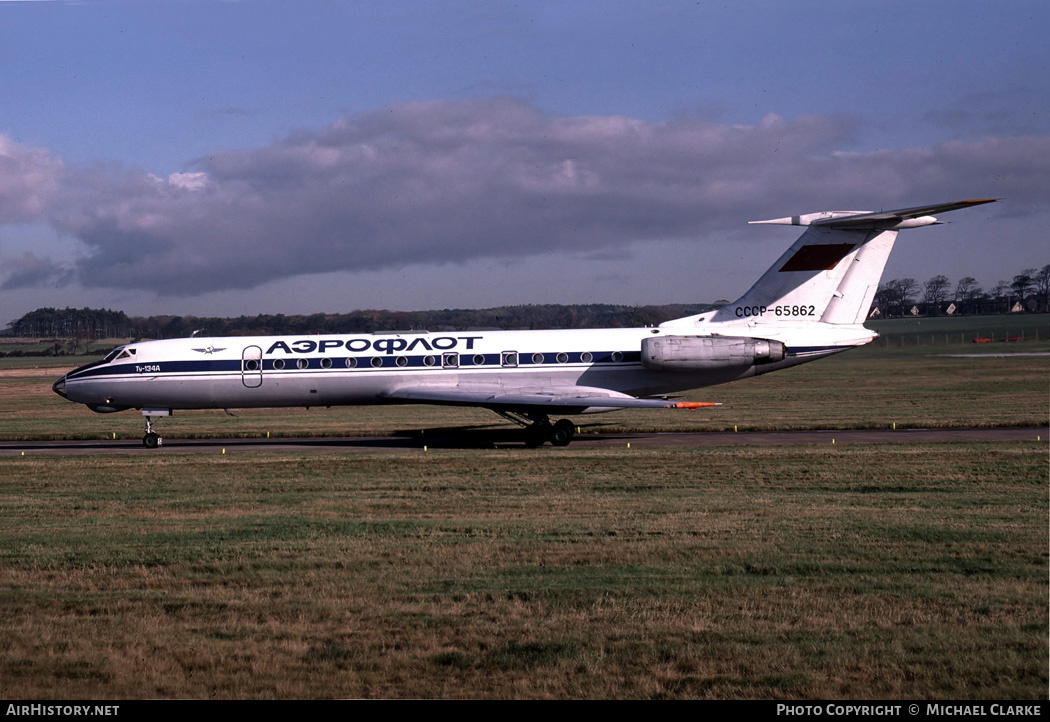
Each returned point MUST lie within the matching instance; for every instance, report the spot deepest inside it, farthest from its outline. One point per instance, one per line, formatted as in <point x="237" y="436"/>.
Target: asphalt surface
<point x="470" y="438"/>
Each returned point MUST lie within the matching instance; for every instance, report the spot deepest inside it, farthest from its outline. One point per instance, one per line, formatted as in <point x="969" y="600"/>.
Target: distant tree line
<point x="89" y="324"/>
<point x="85" y="323"/>
<point x="1030" y="288"/>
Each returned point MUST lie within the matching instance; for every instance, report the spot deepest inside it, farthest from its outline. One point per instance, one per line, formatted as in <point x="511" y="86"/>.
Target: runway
<point x="472" y="438"/>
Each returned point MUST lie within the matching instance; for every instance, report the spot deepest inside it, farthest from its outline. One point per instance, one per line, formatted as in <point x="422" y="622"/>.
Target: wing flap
<point x="568" y="399"/>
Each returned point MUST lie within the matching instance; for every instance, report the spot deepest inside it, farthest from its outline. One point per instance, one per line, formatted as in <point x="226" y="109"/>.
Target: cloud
<point x="446" y="182"/>
<point x="29" y="179"/>
<point x="30" y="271"/>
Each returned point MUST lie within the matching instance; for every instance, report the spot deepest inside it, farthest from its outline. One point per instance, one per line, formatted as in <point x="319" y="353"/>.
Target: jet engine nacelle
<point x="708" y="353"/>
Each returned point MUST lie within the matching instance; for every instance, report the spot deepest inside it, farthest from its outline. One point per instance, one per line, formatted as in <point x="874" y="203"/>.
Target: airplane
<point x="808" y="305"/>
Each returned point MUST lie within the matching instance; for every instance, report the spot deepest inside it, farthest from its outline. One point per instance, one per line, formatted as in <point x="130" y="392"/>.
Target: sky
<point x="217" y="158"/>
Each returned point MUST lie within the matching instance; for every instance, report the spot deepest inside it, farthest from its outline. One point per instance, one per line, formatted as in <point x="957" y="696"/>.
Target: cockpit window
<point x="118" y="353"/>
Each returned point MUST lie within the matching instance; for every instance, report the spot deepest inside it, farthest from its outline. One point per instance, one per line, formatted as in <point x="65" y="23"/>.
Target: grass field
<point x="797" y="572"/>
<point x="802" y="572"/>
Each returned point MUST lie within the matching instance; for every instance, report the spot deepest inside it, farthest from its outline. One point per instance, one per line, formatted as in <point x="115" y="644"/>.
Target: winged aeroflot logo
<point x="209" y="350"/>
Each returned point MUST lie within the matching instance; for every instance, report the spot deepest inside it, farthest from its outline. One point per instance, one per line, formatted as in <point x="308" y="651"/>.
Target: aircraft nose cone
<point x="59" y="387"/>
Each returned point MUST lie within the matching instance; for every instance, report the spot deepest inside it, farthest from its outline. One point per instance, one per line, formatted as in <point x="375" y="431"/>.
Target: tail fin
<point x="830" y="274"/>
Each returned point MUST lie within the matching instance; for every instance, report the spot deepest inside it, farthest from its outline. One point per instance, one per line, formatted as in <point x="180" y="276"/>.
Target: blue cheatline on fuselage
<point x="362" y="363"/>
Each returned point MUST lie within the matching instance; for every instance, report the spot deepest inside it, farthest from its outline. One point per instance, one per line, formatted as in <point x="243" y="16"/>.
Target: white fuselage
<point x="346" y="369"/>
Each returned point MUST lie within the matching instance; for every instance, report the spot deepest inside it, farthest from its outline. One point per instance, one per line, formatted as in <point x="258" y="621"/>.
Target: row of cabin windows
<point x="449" y="360"/>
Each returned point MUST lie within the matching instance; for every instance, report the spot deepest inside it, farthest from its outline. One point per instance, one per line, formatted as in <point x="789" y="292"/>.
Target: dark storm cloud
<point x="452" y="181"/>
<point x="429" y="182"/>
<point x="29" y="271"/>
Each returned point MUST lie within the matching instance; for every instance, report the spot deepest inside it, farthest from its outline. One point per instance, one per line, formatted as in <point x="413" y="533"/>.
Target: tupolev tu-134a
<point x="810" y="304"/>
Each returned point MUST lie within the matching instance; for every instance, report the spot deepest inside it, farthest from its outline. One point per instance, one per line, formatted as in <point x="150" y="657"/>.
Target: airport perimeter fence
<point x="943" y="338"/>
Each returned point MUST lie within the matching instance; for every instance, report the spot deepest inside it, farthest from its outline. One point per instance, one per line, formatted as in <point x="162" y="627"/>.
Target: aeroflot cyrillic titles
<point x="383" y="345"/>
<point x="811" y="303"/>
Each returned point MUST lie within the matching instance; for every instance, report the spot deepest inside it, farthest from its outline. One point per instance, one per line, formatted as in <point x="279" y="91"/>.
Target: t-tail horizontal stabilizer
<point x="830" y="274"/>
<point x="868" y="220"/>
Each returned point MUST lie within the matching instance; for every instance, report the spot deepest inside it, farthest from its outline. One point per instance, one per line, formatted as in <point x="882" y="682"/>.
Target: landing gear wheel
<point x="562" y="433"/>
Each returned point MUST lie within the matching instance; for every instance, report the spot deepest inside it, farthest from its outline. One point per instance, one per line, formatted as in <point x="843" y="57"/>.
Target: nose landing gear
<point x="152" y="439"/>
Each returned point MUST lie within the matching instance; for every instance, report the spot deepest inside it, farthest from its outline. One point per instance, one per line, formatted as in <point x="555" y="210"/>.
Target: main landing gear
<point x="539" y="429"/>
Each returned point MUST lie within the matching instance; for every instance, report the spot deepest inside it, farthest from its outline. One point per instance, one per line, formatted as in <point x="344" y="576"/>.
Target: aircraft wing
<point x="565" y="400"/>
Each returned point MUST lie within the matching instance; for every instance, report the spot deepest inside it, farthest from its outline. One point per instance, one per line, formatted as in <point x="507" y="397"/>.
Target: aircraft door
<point x="251" y="367"/>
